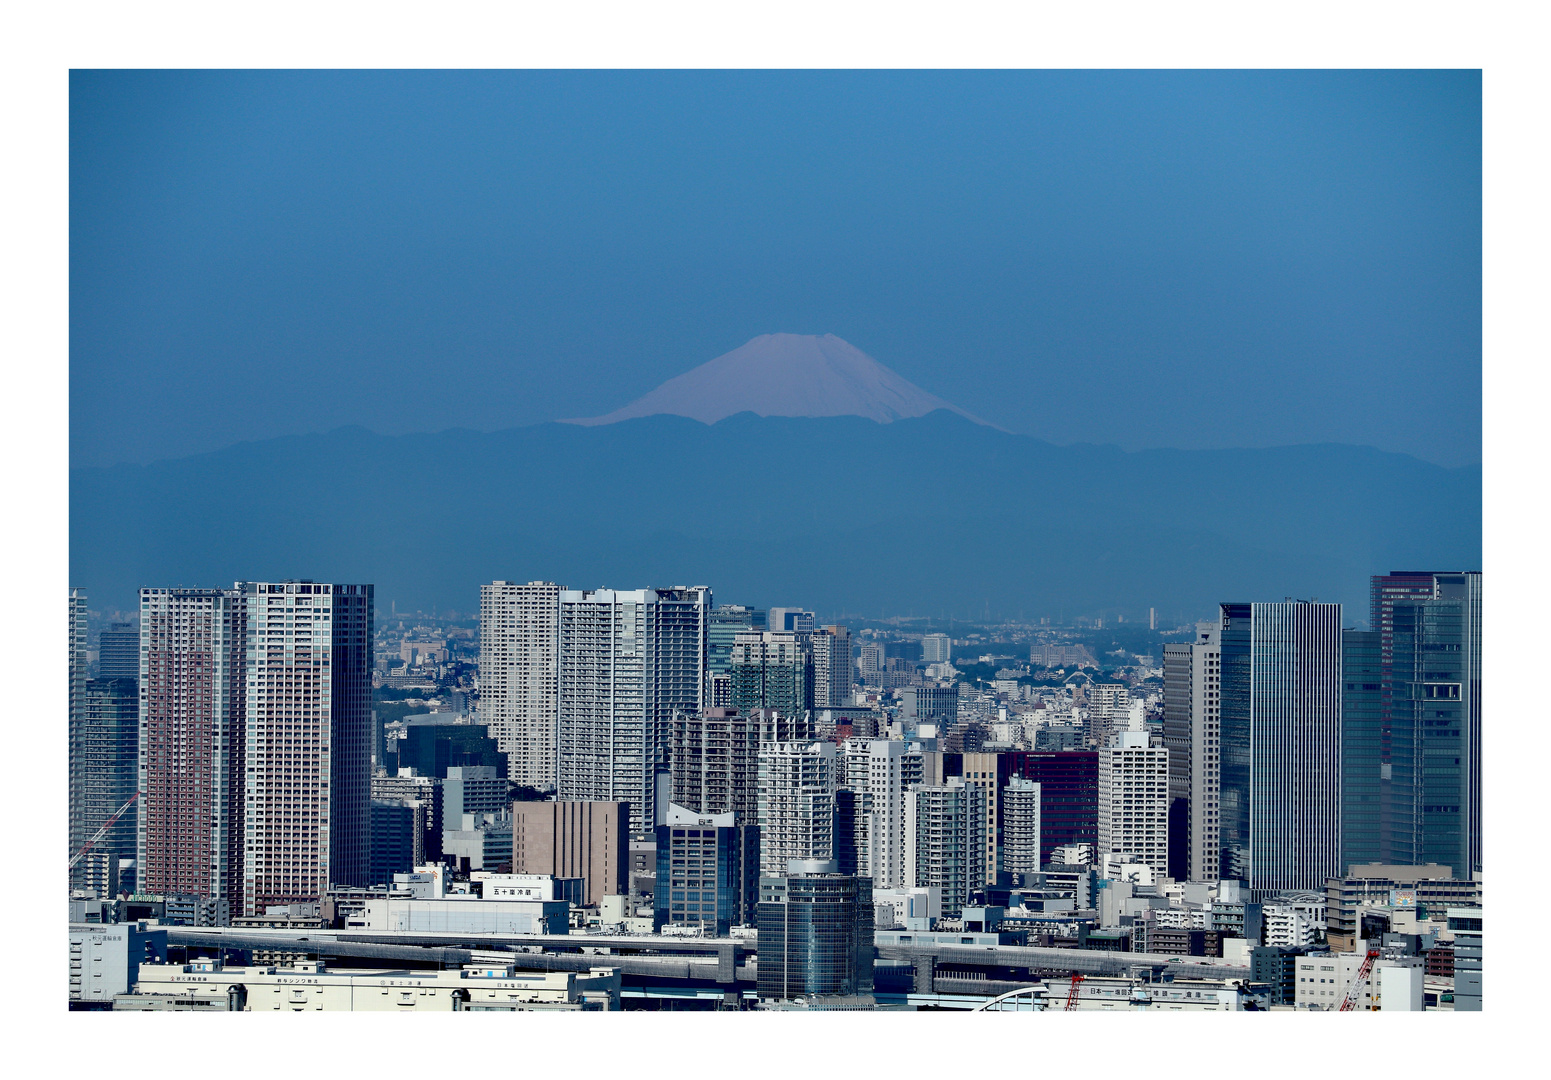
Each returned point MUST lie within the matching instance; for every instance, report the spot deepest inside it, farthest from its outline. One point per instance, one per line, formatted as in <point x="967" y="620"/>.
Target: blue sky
<point x="1186" y="259"/>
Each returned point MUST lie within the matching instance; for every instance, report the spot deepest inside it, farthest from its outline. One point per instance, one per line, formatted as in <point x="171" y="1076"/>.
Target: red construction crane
<point x="1071" y="995"/>
<point x="100" y="833"/>
<point x="1350" y="1001"/>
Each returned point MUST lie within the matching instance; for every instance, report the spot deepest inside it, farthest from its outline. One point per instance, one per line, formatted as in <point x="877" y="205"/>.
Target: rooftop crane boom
<point x="1349" y="1002"/>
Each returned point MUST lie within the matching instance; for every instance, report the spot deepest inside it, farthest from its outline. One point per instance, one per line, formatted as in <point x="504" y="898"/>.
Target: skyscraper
<point x="1133" y="800"/>
<point x="945" y="841"/>
<point x="77" y="763"/>
<point x="815" y="932"/>
<point x="628" y="661"/>
<point x="1020" y="827"/>
<point x="936" y="649"/>
<point x="108" y="745"/>
<point x="1281" y="735"/>
<point x="1192" y="733"/>
<point x="875" y="772"/>
<point x="772" y="669"/>
<point x="519" y="643"/>
<point x="309" y="726"/>
<point x="714" y="756"/>
<point x="118" y="652"/>
<point x="832" y="668"/>
<point x="1429" y="628"/>
<point x="1367" y="770"/>
<point x="1069" y="794"/>
<point x="797" y="784"/>
<point x="193" y="737"/>
<point x="726" y="621"/>
<point x="985" y="771"/>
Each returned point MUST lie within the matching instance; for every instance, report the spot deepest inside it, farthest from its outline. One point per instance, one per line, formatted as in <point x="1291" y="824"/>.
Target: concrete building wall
<point x="518" y="675"/>
<point x="574" y="839"/>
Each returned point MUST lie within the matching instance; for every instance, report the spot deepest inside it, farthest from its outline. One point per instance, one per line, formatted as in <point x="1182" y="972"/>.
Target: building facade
<point x="192" y="742"/>
<point x="1133" y="800"/>
<point x="815" y="934"/>
<point x="570" y="839"/>
<point x="308" y="741"/>
<point x="1281" y="735"/>
<point x="797" y="784"/>
<point x="707" y="872"/>
<point x="1369" y="761"/>
<point x="107" y="770"/>
<point x="118" y="651"/>
<point x="519" y="656"/>
<point x="714" y="762"/>
<point x="833" y="672"/>
<point x="875" y="771"/>
<point x="772" y="670"/>
<point x="1192" y="734"/>
<point x="725" y="623"/>
<point x="1020" y="831"/>
<point x="1429" y="629"/>
<point x="945" y="846"/>
<point x="79" y="666"/>
<point x="628" y="661"/>
<point x="1069" y="794"/>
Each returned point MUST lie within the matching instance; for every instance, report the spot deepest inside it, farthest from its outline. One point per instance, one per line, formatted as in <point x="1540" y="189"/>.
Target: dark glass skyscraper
<point x="1367" y="772"/>
<point x="815" y="934"/>
<point x="1428" y="626"/>
<point x="1281" y="743"/>
<point x="1069" y="792"/>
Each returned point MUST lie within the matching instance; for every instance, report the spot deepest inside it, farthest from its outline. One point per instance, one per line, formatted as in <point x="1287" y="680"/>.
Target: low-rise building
<point x="1465" y="925"/>
<point x="105" y="960"/>
<point x="312" y="987"/>
<point x="1414" y="889"/>
<point x="463" y="915"/>
<point x="1323" y="980"/>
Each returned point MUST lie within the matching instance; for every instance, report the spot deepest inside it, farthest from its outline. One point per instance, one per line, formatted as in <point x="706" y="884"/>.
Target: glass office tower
<point x="1281" y="744"/>
<point x="1368" y="772"/>
<point x="815" y="933"/>
<point x="1429" y="630"/>
<point x="707" y="871"/>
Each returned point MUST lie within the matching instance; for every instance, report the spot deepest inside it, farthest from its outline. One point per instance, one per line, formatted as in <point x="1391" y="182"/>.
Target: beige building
<point x="311" y="987"/>
<point x="588" y="840"/>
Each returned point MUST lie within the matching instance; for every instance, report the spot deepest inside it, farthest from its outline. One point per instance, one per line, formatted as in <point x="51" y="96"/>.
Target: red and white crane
<point x="1349" y="1002"/>
<point x="100" y="833"/>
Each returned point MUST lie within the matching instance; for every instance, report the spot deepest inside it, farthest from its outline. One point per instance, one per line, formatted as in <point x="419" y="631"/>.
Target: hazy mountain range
<point x="935" y="513"/>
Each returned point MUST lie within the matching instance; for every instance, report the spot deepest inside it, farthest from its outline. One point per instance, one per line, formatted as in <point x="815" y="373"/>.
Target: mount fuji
<point x="786" y="375"/>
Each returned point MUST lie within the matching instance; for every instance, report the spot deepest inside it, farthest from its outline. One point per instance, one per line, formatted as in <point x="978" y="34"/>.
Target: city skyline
<point x="895" y="541"/>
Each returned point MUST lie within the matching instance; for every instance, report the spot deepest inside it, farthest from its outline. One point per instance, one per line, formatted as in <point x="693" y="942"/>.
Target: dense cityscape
<point x="283" y="797"/>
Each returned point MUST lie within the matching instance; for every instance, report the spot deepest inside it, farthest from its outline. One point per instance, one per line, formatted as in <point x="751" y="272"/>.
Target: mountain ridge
<point x="926" y="512"/>
<point x="798" y="375"/>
